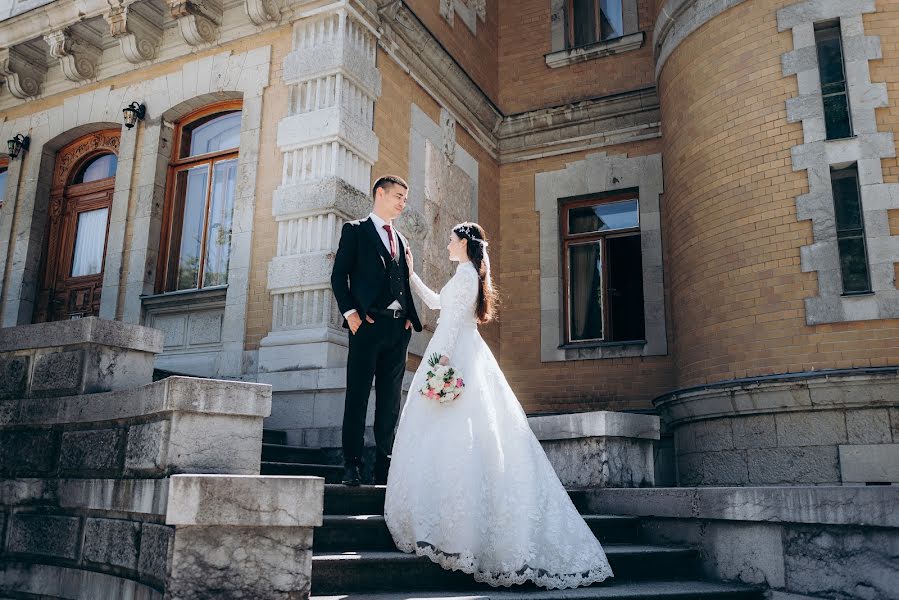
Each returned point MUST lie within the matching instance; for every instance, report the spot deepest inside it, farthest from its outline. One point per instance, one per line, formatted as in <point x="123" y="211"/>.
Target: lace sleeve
<point x="458" y="305"/>
<point x="430" y="297"/>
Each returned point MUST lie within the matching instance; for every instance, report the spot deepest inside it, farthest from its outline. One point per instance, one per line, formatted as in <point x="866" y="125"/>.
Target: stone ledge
<point x="183" y="394"/>
<point x="570" y="56"/>
<point x="811" y="391"/>
<point x="830" y="505"/>
<point x="59" y="582"/>
<point x="90" y="330"/>
<point x="595" y="424"/>
<point x="133" y="496"/>
<point x="247" y="501"/>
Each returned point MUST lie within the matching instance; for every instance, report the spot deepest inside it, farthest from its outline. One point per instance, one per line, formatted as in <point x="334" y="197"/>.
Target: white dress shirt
<point x="379" y="227"/>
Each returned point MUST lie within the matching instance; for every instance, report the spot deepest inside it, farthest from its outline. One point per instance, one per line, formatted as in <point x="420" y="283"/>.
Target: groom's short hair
<point x="385" y="181"/>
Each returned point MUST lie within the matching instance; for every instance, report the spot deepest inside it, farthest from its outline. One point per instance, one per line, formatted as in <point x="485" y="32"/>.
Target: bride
<point x="469" y="484"/>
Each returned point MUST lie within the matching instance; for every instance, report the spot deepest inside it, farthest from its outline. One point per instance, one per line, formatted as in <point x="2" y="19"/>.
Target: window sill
<point x="855" y="294"/>
<point x="585" y="345"/>
<point x="570" y="56"/>
<point x="211" y="295"/>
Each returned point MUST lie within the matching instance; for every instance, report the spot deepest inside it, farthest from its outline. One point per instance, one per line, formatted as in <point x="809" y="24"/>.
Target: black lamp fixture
<point x="17" y="144"/>
<point x="132" y="113"/>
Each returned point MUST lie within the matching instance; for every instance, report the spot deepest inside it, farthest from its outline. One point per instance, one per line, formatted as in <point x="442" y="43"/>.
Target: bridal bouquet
<point x="442" y="382"/>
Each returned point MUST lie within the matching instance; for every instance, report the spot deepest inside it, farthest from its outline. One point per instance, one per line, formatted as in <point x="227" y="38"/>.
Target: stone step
<point x="396" y="571"/>
<point x="294" y="454"/>
<point x="331" y="473"/>
<point x="354" y="500"/>
<point x="274" y="436"/>
<point x="369" y="500"/>
<point x="340" y="533"/>
<point x="608" y="590"/>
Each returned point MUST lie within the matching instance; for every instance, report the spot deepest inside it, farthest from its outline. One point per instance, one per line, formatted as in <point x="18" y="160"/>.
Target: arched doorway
<point x="77" y="226"/>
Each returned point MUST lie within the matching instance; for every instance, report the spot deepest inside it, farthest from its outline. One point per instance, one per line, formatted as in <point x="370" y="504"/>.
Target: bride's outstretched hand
<point x="410" y="261"/>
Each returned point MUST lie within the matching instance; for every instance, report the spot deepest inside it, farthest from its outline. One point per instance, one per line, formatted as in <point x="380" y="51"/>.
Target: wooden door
<point x="77" y="228"/>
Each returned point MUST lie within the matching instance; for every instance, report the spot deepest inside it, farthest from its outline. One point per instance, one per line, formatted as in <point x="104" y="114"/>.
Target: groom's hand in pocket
<point x="355" y="322"/>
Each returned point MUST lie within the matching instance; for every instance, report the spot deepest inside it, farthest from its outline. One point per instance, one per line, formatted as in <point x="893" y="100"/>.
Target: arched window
<point x="200" y="202"/>
<point x="99" y="167"/>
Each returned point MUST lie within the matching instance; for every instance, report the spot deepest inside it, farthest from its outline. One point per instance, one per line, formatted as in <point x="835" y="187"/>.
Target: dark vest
<point x="392" y="287"/>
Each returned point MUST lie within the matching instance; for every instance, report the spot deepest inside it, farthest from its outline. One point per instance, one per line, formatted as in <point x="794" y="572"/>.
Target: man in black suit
<point x="370" y="280"/>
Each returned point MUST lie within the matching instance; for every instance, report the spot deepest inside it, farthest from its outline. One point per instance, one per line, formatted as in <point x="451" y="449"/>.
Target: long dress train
<point x="469" y="485"/>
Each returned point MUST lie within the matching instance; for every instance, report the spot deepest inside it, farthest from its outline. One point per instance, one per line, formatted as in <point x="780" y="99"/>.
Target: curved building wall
<point x="739" y="276"/>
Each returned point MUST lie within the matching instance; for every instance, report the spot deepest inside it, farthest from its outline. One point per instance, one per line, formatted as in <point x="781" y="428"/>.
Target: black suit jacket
<point x="360" y="268"/>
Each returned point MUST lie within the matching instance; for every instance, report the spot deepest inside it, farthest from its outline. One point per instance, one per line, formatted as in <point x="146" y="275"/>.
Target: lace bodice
<point x="456" y="303"/>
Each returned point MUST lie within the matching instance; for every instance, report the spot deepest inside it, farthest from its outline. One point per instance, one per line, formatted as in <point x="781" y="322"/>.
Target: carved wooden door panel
<point x="77" y="227"/>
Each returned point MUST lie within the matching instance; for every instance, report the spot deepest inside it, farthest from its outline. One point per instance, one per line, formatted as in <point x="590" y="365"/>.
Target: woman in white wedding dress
<point x="469" y="484"/>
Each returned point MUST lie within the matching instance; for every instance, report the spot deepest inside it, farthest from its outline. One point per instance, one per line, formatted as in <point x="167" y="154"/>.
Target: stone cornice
<point x="406" y="39"/>
<point x="588" y="124"/>
<point x="677" y="19"/>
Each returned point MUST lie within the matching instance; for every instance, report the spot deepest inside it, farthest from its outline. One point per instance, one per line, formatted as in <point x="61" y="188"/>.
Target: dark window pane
<point x="584" y="18"/>
<point x="625" y="289"/>
<point x="604" y="217"/>
<point x="193" y="202"/>
<point x="585" y="291"/>
<point x="97" y="168"/>
<point x="830" y="59"/>
<point x="846" y="203"/>
<point x="854" y="265"/>
<point x="833" y="82"/>
<point x="836" y="117"/>
<point x="611" y="22"/>
<point x="215" y="135"/>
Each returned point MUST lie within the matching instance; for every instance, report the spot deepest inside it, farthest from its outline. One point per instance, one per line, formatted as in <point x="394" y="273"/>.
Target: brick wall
<point x="613" y="384"/>
<point x="731" y="236"/>
<point x="393" y="112"/>
<point x="526" y="83"/>
<point x="476" y="53"/>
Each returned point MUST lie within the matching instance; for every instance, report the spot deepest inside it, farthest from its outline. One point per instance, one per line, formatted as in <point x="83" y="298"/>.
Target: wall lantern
<point x="17" y="144"/>
<point x="133" y="112"/>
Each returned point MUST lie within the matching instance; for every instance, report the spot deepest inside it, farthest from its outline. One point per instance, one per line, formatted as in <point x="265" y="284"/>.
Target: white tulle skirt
<point x="471" y="488"/>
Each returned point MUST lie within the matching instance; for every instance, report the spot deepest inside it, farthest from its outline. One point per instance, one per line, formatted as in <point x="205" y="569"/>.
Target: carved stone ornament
<point x="448" y="125"/>
<point x="198" y="20"/>
<point x="139" y="37"/>
<point x="23" y="77"/>
<point x="448" y="8"/>
<point x="263" y="12"/>
<point x="107" y="141"/>
<point x="78" y="58"/>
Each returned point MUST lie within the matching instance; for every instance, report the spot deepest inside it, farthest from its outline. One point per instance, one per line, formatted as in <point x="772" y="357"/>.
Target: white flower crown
<point x="467" y="230"/>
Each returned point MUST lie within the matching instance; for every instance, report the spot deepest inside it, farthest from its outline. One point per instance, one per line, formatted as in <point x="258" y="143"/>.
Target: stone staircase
<point x="354" y="556"/>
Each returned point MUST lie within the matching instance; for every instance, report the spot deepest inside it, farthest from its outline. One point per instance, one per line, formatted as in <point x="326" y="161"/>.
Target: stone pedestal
<point x="599" y="449"/>
<point x="81" y="356"/>
<point x="242" y="537"/>
<point x="839" y="427"/>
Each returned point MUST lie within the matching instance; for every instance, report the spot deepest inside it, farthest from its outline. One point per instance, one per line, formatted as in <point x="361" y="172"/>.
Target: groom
<point x="370" y="280"/>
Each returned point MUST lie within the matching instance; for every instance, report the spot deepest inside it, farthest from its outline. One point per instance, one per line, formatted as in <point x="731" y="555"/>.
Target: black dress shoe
<point x="351" y="475"/>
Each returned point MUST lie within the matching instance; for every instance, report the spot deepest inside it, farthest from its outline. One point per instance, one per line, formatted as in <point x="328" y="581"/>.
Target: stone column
<point x="242" y="536"/>
<point x="328" y="148"/>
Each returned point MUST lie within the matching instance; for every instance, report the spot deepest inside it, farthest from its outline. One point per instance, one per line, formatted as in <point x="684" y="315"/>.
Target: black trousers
<point x="377" y="351"/>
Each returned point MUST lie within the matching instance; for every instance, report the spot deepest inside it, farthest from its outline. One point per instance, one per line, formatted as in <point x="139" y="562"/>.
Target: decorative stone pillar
<point x="328" y="148"/>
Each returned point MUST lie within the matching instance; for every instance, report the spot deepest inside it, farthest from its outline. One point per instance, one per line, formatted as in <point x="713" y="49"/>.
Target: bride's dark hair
<point x="476" y="245"/>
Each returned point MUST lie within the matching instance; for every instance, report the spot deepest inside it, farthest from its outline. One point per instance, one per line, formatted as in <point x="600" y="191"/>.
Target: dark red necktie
<point x="392" y="243"/>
